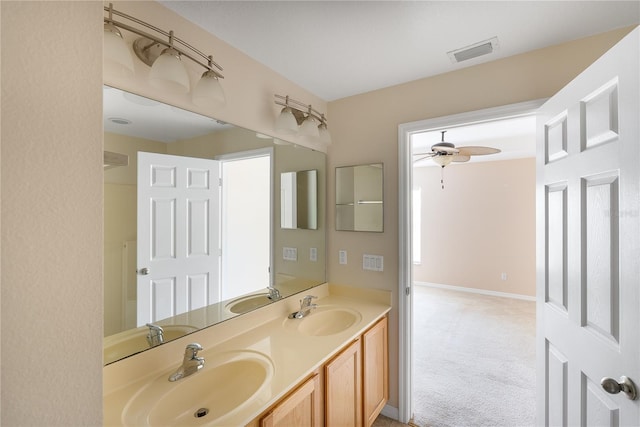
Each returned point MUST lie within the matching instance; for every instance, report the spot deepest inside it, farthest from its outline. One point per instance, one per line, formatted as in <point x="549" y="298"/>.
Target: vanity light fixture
<point x="163" y="52"/>
<point x="301" y="119"/>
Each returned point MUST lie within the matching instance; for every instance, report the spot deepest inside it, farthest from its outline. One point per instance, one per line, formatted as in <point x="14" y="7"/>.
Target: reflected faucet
<point x="305" y="307"/>
<point x="190" y="364"/>
<point x="155" y="336"/>
<point x="274" y="294"/>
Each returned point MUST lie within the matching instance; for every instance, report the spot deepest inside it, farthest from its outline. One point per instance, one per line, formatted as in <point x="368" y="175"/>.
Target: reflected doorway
<point x="246" y="222"/>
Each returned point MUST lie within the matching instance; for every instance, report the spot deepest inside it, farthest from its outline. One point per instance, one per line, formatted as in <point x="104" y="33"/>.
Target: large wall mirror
<point x="359" y="198"/>
<point x="192" y="222"/>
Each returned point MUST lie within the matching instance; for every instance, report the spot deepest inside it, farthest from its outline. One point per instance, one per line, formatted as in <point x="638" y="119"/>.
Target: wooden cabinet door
<point x="343" y="388"/>
<point x="375" y="350"/>
<point x="301" y="408"/>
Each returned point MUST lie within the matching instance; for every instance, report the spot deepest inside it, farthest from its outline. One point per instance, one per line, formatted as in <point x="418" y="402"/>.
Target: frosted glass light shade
<point x="309" y="127"/>
<point x="286" y="122"/>
<point x="208" y="91"/>
<point x="325" y="136"/>
<point x="443" y="160"/>
<point x="116" y="52"/>
<point x="168" y="72"/>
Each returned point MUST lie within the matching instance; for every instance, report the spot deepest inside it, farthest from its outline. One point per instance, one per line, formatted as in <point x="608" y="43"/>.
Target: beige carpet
<point x="474" y="360"/>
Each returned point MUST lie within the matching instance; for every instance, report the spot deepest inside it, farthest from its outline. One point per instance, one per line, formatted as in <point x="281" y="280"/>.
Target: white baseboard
<point x="475" y="291"/>
<point x="390" y="412"/>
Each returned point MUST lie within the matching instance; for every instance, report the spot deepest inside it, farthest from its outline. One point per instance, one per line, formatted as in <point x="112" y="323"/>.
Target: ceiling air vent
<point x="478" y="49"/>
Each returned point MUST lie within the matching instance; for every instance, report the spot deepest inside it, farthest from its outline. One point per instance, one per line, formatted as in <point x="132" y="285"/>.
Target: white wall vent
<point x="484" y="47"/>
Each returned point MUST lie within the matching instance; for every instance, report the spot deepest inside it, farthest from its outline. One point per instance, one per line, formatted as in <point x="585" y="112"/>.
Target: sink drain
<point x="201" y="412"/>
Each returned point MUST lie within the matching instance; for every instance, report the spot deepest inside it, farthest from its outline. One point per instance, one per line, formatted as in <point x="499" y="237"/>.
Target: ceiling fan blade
<point x="460" y="158"/>
<point x="421" y="157"/>
<point x="477" y="150"/>
<point x="426" y="153"/>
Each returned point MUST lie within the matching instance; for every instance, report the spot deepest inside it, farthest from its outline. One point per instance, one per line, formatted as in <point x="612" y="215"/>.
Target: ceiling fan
<point x="443" y="153"/>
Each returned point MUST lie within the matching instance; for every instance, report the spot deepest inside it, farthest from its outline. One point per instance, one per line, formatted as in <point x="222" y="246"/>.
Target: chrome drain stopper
<point x="201" y="412"/>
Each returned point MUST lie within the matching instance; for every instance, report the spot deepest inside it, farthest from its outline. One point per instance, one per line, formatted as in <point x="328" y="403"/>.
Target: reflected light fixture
<point x="297" y="118"/>
<point x="163" y="52"/>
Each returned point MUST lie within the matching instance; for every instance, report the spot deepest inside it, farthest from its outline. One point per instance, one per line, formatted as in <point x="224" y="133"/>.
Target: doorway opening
<point x="408" y="225"/>
<point x="246" y="233"/>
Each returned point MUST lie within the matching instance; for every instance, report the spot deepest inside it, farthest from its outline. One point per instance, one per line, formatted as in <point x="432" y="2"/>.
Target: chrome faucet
<point x="190" y="364"/>
<point x="274" y="294"/>
<point x="155" y="336"/>
<point x="305" y="307"/>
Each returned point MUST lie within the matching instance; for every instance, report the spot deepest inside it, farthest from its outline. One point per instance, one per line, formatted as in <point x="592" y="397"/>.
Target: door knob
<point x="625" y="385"/>
<point x="143" y="271"/>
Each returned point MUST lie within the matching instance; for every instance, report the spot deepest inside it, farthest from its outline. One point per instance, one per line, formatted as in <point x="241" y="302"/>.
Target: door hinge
<point x="219" y="182"/>
<point x="407" y="291"/>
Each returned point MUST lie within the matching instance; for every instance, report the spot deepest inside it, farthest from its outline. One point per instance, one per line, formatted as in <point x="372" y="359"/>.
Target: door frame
<point x="405" y="225"/>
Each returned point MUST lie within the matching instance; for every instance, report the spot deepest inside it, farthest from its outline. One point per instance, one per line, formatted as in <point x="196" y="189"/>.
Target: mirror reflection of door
<point x="178" y="234"/>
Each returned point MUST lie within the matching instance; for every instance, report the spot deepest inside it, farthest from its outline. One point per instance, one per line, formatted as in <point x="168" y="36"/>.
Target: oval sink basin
<point x="324" y="321"/>
<point x="122" y="345"/>
<point x="248" y="303"/>
<point x="205" y="397"/>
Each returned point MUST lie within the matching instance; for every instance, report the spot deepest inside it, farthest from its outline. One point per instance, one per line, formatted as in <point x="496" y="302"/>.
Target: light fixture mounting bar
<point x="208" y="62"/>
<point x="300" y="107"/>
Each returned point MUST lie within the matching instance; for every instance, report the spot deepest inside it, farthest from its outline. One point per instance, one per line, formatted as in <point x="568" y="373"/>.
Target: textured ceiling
<point x="336" y="49"/>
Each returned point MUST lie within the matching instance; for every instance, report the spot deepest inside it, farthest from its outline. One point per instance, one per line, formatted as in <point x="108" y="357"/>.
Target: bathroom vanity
<point x="265" y="369"/>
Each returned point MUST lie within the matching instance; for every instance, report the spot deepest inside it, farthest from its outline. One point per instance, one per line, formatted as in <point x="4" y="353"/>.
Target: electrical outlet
<point x="342" y="257"/>
<point x="373" y="262"/>
<point x="290" y="254"/>
<point x="313" y="254"/>
<point x="503" y="276"/>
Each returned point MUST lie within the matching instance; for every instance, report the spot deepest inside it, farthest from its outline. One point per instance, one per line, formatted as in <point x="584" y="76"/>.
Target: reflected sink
<point x="222" y="387"/>
<point x="122" y="345"/>
<point x="248" y="303"/>
<point x="325" y="320"/>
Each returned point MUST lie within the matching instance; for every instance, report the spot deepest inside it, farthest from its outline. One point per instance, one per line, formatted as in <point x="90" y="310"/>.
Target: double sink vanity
<point x="265" y="368"/>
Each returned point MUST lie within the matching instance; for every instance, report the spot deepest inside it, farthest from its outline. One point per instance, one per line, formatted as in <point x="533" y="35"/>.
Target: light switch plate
<point x="290" y="254"/>
<point x="342" y="256"/>
<point x="372" y="262"/>
<point x="313" y="254"/>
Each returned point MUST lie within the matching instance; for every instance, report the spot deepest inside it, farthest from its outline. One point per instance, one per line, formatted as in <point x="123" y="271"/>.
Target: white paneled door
<point x="178" y="228"/>
<point x="588" y="239"/>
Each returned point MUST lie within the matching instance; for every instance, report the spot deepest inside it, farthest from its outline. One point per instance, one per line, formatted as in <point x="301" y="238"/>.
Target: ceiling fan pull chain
<point x="442" y="176"/>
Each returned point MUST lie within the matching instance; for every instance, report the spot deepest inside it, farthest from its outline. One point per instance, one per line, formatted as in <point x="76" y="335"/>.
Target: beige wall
<point x="365" y="130"/>
<point x="51" y="213"/>
<point x="480" y="225"/>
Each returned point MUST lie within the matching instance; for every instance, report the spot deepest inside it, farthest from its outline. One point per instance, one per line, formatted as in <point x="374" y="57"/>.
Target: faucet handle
<point x="153" y="327"/>
<point x="307" y="300"/>
<point x="191" y="351"/>
<point x="155" y="336"/>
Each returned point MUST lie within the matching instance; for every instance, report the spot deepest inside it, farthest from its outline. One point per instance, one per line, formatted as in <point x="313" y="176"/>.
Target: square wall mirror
<point x="299" y="200"/>
<point x="359" y="201"/>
